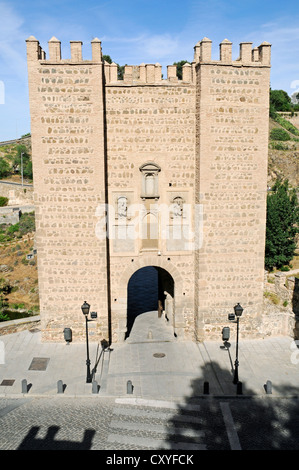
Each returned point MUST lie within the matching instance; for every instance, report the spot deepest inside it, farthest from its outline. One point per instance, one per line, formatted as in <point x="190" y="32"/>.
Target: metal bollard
<point x="239" y="388"/>
<point x="225" y="333"/>
<point x="94" y="386"/>
<point x="129" y="387"/>
<point x="59" y="386"/>
<point x="67" y="335"/>
<point x="206" y="388"/>
<point x="269" y="387"/>
<point x="24" y="386"/>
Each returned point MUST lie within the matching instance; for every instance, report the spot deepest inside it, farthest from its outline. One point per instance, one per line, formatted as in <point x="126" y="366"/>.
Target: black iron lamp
<point x="85" y="310"/>
<point x="238" y="312"/>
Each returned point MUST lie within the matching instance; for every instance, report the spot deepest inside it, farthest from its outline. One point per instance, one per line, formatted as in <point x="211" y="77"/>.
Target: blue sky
<point x="136" y="31"/>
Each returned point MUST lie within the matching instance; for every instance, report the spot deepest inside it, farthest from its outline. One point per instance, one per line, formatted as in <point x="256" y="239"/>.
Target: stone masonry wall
<point x="16" y="194"/>
<point x="66" y="102"/>
<point x="151" y="122"/>
<point x="150" y="146"/>
<point x="232" y="136"/>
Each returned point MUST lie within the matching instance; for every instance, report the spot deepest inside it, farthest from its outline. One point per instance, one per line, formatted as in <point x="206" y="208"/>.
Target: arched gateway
<point x="150" y="289"/>
<point x="149" y="284"/>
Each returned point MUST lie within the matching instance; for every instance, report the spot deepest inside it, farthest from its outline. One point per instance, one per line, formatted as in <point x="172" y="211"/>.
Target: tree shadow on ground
<point x="240" y="422"/>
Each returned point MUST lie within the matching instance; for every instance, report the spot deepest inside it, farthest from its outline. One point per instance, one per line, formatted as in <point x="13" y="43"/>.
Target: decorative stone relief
<point x="177" y="207"/>
<point x="122" y="207"/>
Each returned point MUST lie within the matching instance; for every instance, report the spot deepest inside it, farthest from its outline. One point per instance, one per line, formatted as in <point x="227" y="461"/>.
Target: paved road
<point x="27" y="185"/>
<point x="62" y="423"/>
<point x="167" y="410"/>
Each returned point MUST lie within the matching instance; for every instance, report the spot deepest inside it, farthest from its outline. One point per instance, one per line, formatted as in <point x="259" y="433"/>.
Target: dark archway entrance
<point x="146" y="292"/>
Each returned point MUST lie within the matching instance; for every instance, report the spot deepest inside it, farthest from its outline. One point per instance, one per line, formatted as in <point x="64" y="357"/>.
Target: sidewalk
<point x="158" y="365"/>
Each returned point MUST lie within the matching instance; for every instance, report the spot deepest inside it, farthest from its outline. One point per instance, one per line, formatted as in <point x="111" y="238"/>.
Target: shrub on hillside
<point x="27" y="223"/>
<point x="3" y="201"/>
<point x="279" y="134"/>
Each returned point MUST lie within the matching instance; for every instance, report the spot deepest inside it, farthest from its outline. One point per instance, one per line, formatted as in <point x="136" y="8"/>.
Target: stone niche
<point x="121" y="224"/>
<point x="150" y="183"/>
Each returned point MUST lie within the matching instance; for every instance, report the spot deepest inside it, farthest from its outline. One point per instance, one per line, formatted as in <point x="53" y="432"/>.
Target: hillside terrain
<point x="20" y="273"/>
<point x="283" y="163"/>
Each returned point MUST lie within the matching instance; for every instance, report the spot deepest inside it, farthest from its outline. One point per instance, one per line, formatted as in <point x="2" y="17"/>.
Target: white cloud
<point x="12" y="42"/>
<point x="160" y="46"/>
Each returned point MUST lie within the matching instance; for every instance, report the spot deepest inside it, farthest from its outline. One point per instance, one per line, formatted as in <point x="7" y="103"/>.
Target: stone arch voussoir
<point x="152" y="260"/>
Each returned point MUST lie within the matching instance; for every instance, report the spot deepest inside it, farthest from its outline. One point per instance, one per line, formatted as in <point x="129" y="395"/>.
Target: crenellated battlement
<point x="152" y="73"/>
<point x="147" y="74"/>
<point x="35" y="52"/>
<point x="248" y="56"/>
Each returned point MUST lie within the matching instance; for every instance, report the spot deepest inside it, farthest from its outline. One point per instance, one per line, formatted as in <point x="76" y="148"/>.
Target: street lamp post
<point x="85" y="310"/>
<point x="238" y="312"/>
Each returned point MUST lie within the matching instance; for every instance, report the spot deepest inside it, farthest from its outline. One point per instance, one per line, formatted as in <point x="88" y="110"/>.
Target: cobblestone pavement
<point x="66" y="423"/>
<point x="124" y="425"/>
<point x="167" y="409"/>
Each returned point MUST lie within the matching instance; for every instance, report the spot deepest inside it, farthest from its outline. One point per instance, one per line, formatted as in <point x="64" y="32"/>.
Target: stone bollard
<point x="94" y="386"/>
<point x="59" y="386"/>
<point x="268" y="387"/>
<point x="24" y="386"/>
<point x="150" y="334"/>
<point x="129" y="387"/>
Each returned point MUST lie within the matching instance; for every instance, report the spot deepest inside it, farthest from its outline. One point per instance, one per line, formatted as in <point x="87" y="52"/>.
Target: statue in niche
<point x="122" y="207"/>
<point x="177" y="207"/>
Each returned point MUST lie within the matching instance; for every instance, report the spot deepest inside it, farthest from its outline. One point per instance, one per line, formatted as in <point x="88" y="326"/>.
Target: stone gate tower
<point x="179" y="166"/>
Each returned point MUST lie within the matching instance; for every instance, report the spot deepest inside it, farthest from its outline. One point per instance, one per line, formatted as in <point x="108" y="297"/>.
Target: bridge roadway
<point x="116" y="425"/>
<point x="167" y="409"/>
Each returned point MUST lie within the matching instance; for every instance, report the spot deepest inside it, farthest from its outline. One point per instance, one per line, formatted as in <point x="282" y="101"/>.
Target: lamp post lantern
<point x="238" y="312"/>
<point x="85" y="310"/>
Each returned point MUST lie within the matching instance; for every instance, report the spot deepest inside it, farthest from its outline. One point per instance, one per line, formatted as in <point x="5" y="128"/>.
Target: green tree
<point x="120" y="68"/>
<point x="4" y="168"/>
<point x="282" y="225"/>
<point x="107" y="58"/>
<point x="21" y="149"/>
<point x="280" y="101"/>
<point x="179" y="68"/>
<point x="27" y="171"/>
